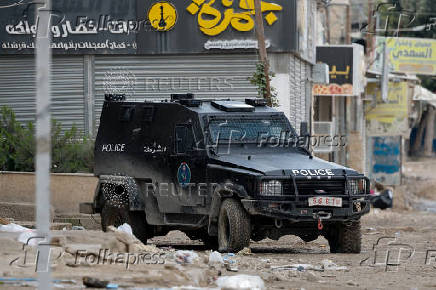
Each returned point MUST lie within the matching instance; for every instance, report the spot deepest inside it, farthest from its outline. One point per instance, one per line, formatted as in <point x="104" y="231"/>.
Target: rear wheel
<point x="233" y="227"/>
<point x="113" y="216"/>
<point x="139" y="225"/>
<point x="345" y="237"/>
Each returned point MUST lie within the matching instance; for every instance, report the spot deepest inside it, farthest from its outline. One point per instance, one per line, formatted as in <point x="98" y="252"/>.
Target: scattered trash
<point x="9" y="280"/>
<point x="215" y="258"/>
<point x="32" y="282"/>
<point x="240" y="282"/>
<point x="328" y="265"/>
<point x="245" y="251"/>
<point x="4" y="221"/>
<point x="185" y="257"/>
<point x="30" y="238"/>
<point x="352" y="283"/>
<point x="126" y="228"/>
<point x="24" y="237"/>
<point x="298" y="267"/>
<point x="231" y="268"/>
<point x="97" y="283"/>
<point x="12" y="228"/>
<point x="228" y="258"/>
<point x="383" y="197"/>
<point x="77" y="228"/>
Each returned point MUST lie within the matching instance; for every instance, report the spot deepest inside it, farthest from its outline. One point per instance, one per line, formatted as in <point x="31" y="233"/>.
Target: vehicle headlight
<point x="357" y="186"/>
<point x="271" y="188"/>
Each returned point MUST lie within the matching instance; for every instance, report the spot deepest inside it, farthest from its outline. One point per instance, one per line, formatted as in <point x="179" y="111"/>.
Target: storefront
<point x="148" y="50"/>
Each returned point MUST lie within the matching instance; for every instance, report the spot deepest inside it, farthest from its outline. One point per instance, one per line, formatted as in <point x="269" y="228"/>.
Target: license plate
<point x="325" y="201"/>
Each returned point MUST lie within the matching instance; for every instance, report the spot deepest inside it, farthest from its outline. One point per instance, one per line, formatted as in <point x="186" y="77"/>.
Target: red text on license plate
<point x="325" y="201"/>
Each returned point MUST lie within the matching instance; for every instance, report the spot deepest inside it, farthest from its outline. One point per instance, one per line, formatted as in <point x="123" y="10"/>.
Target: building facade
<point x="148" y="50"/>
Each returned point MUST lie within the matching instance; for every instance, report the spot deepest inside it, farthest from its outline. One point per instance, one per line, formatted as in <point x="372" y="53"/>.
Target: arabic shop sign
<point x="407" y="55"/>
<point x="208" y="26"/>
<point x="77" y="27"/>
<point x="148" y="27"/>
<point x="390" y="117"/>
<point x="212" y="22"/>
<point x="346" y="70"/>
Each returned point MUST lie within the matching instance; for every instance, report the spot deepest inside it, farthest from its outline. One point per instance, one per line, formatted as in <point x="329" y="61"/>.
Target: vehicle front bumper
<point x="299" y="211"/>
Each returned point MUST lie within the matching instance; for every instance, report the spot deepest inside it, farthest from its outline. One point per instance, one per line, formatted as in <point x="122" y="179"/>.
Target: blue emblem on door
<point x="184" y="174"/>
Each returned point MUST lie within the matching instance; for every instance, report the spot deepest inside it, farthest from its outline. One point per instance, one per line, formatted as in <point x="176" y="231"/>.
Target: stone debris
<point x="126" y="242"/>
<point x="245" y="251"/>
<point x="97" y="283"/>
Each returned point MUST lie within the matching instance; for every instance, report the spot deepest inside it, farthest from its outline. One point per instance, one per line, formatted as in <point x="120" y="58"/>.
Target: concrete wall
<point x="67" y="190"/>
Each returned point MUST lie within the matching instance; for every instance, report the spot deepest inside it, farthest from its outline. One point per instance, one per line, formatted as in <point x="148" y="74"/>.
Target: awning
<point x="424" y="95"/>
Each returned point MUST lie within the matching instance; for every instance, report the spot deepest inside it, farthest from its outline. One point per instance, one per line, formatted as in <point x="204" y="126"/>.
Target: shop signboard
<point x="346" y="70"/>
<point x="407" y="55"/>
<point x="149" y="27"/>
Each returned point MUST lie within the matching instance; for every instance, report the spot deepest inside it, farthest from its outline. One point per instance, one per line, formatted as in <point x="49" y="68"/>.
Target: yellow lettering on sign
<point x="211" y="20"/>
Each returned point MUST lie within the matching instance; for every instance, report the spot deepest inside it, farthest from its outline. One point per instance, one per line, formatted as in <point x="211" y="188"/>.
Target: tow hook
<point x="321" y="215"/>
<point x="278" y="223"/>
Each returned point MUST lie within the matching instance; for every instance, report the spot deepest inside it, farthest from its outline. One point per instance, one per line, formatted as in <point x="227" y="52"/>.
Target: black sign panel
<point x="149" y="27"/>
<point x="76" y="27"/>
<point x="340" y="61"/>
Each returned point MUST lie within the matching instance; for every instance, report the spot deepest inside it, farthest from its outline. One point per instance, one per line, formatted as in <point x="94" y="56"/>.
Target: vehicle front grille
<point x="315" y="187"/>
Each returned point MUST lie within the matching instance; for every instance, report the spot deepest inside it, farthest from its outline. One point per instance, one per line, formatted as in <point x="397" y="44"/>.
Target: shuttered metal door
<point x="299" y="75"/>
<point x="18" y="91"/>
<point x="156" y="77"/>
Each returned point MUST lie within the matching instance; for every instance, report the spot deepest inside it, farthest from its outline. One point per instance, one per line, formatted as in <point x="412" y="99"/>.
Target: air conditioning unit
<point x="323" y="134"/>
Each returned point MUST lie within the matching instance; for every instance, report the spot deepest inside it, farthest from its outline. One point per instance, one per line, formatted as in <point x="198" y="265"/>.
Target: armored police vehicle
<point x="225" y="172"/>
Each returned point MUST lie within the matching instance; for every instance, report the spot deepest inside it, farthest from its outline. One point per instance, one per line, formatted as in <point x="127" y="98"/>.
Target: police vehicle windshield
<point x="249" y="130"/>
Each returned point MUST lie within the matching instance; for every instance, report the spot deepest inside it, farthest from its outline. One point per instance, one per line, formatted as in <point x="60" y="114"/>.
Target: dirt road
<point x="412" y="233"/>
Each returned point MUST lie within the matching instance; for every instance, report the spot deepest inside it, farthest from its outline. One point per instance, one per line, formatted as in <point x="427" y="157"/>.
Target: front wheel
<point x="233" y="227"/>
<point x="345" y="237"/>
<point x="210" y="242"/>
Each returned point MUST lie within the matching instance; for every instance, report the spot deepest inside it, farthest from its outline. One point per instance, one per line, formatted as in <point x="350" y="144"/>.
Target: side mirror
<point x="304" y="129"/>
<point x="304" y="133"/>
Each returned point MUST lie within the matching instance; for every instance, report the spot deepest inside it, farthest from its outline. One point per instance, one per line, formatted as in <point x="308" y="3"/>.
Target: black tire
<point x="345" y="237"/>
<point x="309" y="237"/>
<point x="233" y="227"/>
<point x="139" y="225"/>
<point x="210" y="242"/>
<point x="113" y="216"/>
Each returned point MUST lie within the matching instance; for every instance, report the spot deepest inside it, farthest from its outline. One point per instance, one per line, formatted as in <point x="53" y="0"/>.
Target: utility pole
<point x="369" y="37"/>
<point x="260" y="35"/>
<point x="348" y="24"/>
<point x="429" y="131"/>
<point x="43" y="142"/>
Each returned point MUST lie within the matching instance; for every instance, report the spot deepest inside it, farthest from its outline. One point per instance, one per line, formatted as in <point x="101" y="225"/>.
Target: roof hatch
<point x="232" y="106"/>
